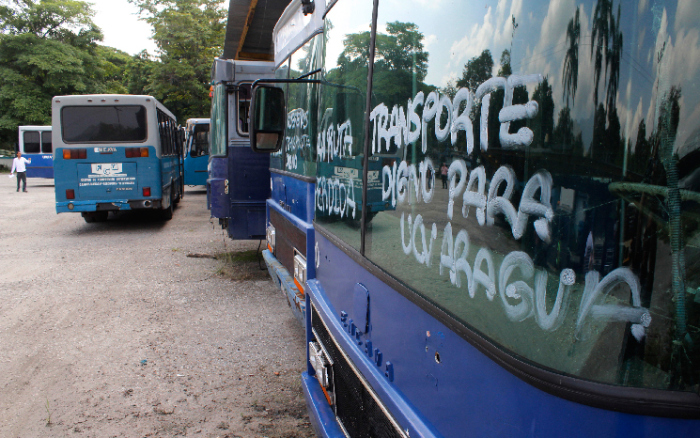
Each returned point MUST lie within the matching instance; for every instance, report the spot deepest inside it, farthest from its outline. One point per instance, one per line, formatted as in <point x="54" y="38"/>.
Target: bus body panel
<point x="294" y="195"/>
<point x="466" y="394"/>
<point x="290" y="213"/>
<point x="196" y="170"/>
<point x="249" y="187"/>
<point x="41" y="165"/>
<point x="217" y="186"/>
<point x="108" y="179"/>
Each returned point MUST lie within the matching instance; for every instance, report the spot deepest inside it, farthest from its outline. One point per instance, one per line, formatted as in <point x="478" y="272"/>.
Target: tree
<point x="606" y="41"/>
<point x="49" y="48"/>
<point x="189" y="35"/>
<point x="477" y="70"/>
<point x="570" y="77"/>
<point x="543" y="124"/>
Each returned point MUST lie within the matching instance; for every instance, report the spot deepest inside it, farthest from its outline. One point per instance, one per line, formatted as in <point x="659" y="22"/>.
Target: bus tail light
<point x="136" y="152"/>
<point x="146" y="191"/>
<point x="70" y="194"/>
<point x="299" y="270"/>
<point x="74" y="154"/>
<point x="270" y="233"/>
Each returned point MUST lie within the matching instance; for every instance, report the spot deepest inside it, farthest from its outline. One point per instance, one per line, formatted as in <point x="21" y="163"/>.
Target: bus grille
<point x="356" y="407"/>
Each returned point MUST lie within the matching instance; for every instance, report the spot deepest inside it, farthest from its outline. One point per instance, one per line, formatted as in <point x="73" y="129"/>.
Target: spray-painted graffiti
<point x="297" y="139"/>
<point x="450" y="116"/>
<point x="526" y="296"/>
<point x="336" y="197"/>
<point x="398" y="180"/>
<point x="334" y="141"/>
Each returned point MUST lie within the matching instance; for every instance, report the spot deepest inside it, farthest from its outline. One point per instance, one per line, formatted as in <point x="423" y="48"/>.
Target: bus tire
<point x="167" y="213"/>
<point x="95" y="216"/>
<point x="89" y="217"/>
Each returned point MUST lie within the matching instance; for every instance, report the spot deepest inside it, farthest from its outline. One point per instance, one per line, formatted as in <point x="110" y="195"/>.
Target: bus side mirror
<point x="267" y="115"/>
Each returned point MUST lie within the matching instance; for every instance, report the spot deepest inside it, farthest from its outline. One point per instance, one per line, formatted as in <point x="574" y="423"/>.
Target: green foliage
<point x="477" y="71"/>
<point x="189" y="34"/>
<point x="47" y="48"/>
<point x="50" y="48"/>
<point x="401" y="63"/>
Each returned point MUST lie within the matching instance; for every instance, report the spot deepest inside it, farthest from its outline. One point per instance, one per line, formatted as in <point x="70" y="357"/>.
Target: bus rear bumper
<point x="106" y="205"/>
<point x="295" y="298"/>
<point x="320" y="412"/>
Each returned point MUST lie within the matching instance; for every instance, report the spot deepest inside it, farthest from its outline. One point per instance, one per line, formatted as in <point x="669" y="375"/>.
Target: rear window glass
<point x="46" y="146"/>
<point x="31" y="142"/>
<point x="103" y="124"/>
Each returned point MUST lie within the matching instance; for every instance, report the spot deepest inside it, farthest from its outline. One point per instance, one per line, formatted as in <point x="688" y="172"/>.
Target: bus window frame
<point x="50" y="142"/>
<point x="224" y="120"/>
<point x="237" y="89"/>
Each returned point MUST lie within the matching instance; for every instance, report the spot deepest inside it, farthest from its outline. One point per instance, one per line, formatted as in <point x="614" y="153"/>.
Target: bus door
<point x="197" y="154"/>
<point x="248" y="172"/>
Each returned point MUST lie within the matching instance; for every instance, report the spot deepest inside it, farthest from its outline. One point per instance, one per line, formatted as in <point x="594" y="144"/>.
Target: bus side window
<point x="31" y="142"/>
<point x="243" y="108"/>
<point x="46" y="145"/>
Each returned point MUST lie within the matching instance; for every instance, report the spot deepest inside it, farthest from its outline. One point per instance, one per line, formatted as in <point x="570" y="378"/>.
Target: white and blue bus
<point x="35" y="144"/>
<point x="114" y="153"/>
<point x="196" y="152"/>
<point x="532" y="270"/>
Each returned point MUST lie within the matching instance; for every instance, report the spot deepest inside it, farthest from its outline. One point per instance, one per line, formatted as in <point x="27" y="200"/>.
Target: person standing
<point x="443" y="175"/>
<point x="19" y="164"/>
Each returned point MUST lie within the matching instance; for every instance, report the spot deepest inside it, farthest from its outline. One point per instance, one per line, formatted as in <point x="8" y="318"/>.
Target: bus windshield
<point x="199" y="140"/>
<point x="103" y="124"/>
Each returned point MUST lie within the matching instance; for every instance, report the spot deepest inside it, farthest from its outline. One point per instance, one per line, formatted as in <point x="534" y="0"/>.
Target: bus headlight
<point x="319" y="363"/>
<point x="299" y="270"/>
<point x="270" y="233"/>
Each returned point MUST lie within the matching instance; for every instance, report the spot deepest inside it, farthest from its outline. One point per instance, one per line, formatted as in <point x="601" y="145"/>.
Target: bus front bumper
<point x="295" y="298"/>
<point x="320" y="412"/>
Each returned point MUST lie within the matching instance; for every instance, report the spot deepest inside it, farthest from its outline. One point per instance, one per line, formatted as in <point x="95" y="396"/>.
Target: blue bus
<point x="35" y="144"/>
<point x="115" y="153"/>
<point x="534" y="275"/>
<point x="239" y="179"/>
<point x="196" y="157"/>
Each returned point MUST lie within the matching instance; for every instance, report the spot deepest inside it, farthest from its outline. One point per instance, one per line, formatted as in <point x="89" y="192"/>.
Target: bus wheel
<point x="167" y="213"/>
<point x="89" y="217"/>
<point x="95" y="216"/>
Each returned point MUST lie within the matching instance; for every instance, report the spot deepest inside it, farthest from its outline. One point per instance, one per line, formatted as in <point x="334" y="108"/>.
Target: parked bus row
<point x="486" y="218"/>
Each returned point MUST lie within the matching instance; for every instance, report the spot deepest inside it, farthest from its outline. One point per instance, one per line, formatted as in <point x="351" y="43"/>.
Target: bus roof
<point x="34" y="128"/>
<point x="228" y="70"/>
<point x="110" y="99"/>
<point x="195" y="121"/>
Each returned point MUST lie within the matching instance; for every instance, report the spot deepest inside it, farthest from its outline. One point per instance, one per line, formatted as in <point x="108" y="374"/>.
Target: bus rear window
<point x="103" y="124"/>
<point x="31" y="142"/>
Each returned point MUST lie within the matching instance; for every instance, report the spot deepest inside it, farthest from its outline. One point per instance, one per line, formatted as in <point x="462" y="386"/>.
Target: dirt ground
<point x="130" y="328"/>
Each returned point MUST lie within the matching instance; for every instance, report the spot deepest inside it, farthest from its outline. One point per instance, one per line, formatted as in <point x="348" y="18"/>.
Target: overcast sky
<point x="122" y="29"/>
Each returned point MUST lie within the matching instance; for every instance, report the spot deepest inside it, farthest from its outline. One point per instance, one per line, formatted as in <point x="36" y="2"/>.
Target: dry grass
<point x="242" y="265"/>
